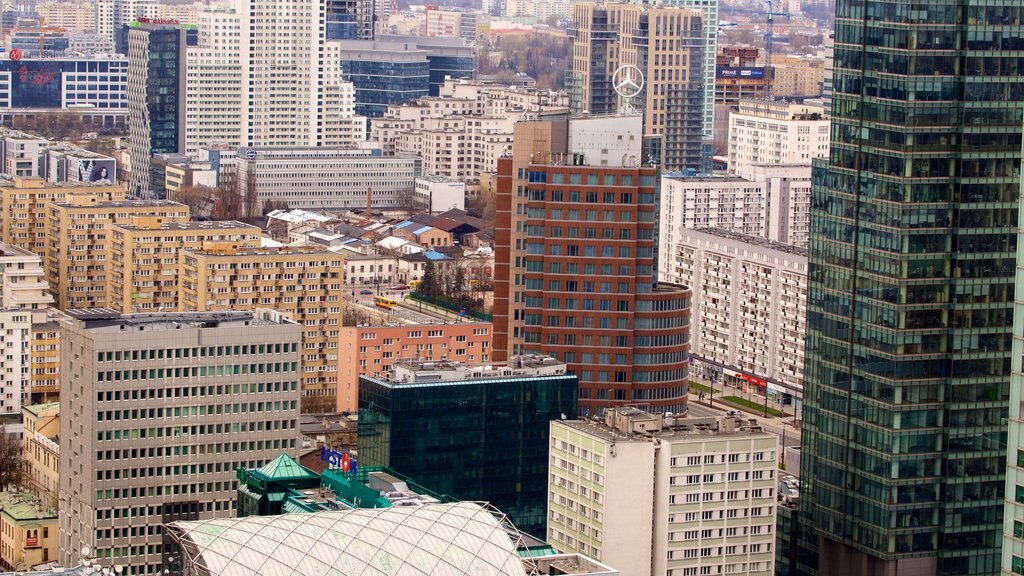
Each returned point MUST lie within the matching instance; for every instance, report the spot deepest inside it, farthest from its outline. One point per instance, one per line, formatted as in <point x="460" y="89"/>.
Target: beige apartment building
<point x="23" y="213"/>
<point x="40" y="450"/>
<point x="44" y="369"/>
<point x="159" y="412"/>
<point x="305" y="284"/>
<point x="371" y="350"/>
<point x="144" y="258"/>
<point x="78" y="238"/>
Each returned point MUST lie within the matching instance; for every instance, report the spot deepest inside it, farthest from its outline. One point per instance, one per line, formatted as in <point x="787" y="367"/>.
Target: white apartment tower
<point x="711" y="510"/>
<point x="111" y="15"/>
<point x="214" y="96"/>
<point x="24" y="295"/>
<point x="726" y="202"/>
<point x="750" y="304"/>
<point x="763" y="132"/>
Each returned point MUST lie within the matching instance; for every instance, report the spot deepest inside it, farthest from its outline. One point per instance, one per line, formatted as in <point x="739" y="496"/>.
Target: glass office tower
<point x="910" y="303"/>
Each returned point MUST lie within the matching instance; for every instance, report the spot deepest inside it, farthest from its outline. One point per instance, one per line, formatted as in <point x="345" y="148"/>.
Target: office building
<point x="65" y="83"/>
<point x="371" y="351"/>
<point x="447" y="58"/>
<point x="28" y="531"/>
<point x="350" y="20"/>
<point x="304" y="284"/>
<point x="452" y="22"/>
<point x="167" y="406"/>
<point x="88" y="43"/>
<point x="325" y="178"/>
<point x="78" y="238"/>
<point x="143" y="273"/>
<point x="738" y="76"/>
<point x="576" y="264"/>
<point x="711" y="509"/>
<point x="22" y="153"/>
<point x="607" y="37"/>
<point x="383" y="73"/>
<point x="24" y="215"/>
<point x="763" y="132"/>
<point x="440" y="193"/>
<point x="750" y="302"/>
<point x="36" y="42"/>
<point x="40" y="454"/>
<point x="909" y="342"/>
<point x="156" y="98"/>
<point x="440" y="423"/>
<point x="65" y="162"/>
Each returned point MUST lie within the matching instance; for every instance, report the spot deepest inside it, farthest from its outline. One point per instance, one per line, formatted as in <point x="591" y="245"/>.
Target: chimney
<point x="369" y="202"/>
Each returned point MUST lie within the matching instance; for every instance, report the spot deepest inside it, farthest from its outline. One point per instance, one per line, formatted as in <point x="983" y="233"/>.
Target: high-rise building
<point x="23" y="211"/>
<point x="167" y="407"/>
<point x="910" y="299"/>
<point x="448" y="58"/>
<point x="659" y="494"/>
<point x="70" y="15"/>
<point x="750" y="302"/>
<point x="762" y="132"/>
<point x="143" y="258"/>
<point x="575" y="264"/>
<point x="383" y="73"/>
<point x="157" y="57"/>
<point x="214" y="88"/>
<point x="24" y="298"/>
<point x="113" y="15"/>
<point x="78" y="243"/>
<point x="305" y="284"/>
<point x="350" y="19"/>
<point x="473" y="432"/>
<point x="666" y="44"/>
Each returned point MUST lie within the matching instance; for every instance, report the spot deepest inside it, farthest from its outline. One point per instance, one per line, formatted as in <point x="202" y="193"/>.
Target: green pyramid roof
<point x="284" y="467"/>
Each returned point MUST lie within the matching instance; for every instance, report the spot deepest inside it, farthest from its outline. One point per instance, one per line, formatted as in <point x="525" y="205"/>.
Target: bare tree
<point x="227" y="203"/>
<point x="199" y="199"/>
<point x="318" y="404"/>
<point x="11" y="471"/>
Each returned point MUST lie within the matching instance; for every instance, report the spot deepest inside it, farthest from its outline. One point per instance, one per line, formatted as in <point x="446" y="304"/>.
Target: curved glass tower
<point x="910" y="301"/>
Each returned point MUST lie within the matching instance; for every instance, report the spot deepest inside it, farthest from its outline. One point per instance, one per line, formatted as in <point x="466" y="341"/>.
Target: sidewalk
<point x="721" y="391"/>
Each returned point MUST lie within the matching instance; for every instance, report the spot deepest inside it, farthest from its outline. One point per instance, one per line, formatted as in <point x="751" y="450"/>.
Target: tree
<point x="199" y="199"/>
<point x="429" y="283"/>
<point x="11" y="471"/>
<point x="227" y="203"/>
<point x="318" y="404"/>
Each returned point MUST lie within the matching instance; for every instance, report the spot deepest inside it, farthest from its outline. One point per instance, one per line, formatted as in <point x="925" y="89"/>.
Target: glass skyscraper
<point x="910" y="303"/>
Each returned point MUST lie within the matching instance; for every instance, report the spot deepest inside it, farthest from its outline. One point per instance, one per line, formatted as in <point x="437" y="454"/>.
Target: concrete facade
<point x="129" y="460"/>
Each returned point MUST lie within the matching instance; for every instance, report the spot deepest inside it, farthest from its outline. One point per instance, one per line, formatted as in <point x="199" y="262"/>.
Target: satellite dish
<point x="85" y="551"/>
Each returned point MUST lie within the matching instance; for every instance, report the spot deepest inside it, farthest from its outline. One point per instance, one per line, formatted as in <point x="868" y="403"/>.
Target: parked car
<point x="365" y="291"/>
<point x="399" y="287"/>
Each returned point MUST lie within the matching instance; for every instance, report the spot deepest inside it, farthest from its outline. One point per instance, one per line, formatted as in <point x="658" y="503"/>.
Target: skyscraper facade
<point x="910" y="298"/>
<point x="156" y="97"/>
<point x="575" y="264"/>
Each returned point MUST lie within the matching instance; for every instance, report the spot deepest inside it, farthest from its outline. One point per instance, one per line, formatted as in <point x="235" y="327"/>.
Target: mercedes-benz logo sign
<point x="628" y="81"/>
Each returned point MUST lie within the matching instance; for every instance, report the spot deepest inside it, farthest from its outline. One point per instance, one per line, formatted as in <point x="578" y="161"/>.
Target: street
<point x="398" y="314"/>
<point x="774" y="425"/>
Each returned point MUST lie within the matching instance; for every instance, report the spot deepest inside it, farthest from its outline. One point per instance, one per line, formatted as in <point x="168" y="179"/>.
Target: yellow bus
<point x="414" y="283"/>
<point x="385" y="302"/>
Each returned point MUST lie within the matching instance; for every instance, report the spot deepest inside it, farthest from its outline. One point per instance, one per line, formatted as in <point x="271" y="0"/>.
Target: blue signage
<point x="250" y="154"/>
<point x="737" y="72"/>
<point x="337" y="459"/>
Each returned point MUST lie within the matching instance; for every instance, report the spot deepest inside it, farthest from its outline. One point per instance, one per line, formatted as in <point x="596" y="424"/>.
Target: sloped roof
<point x="452" y="539"/>
<point x="284" y="467"/>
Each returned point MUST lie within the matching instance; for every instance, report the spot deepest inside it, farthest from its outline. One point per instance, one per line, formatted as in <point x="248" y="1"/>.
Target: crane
<point x="768" y="41"/>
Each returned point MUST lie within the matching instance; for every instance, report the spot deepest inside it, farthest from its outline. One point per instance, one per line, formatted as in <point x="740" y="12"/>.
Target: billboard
<point x="742" y="73"/>
<point x="92" y="169"/>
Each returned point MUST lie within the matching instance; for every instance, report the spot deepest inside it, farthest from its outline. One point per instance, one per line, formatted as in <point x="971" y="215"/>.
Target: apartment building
<point x="304" y="284"/>
<point x="44" y="358"/>
<point x="213" y="83"/>
<point x="24" y="299"/>
<point x="371" y="351"/>
<point x="788" y="188"/>
<point x="750" y="303"/>
<point x="797" y="76"/>
<point x="40" y="453"/>
<point x="712" y="508"/>
<point x="78" y="237"/>
<point x="688" y="202"/>
<point x="159" y="411"/>
<point x="24" y="218"/>
<point x="763" y="132"/>
<point x="143" y="273"/>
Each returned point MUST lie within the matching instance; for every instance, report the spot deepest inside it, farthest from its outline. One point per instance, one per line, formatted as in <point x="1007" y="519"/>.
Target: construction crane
<point x="768" y="41"/>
